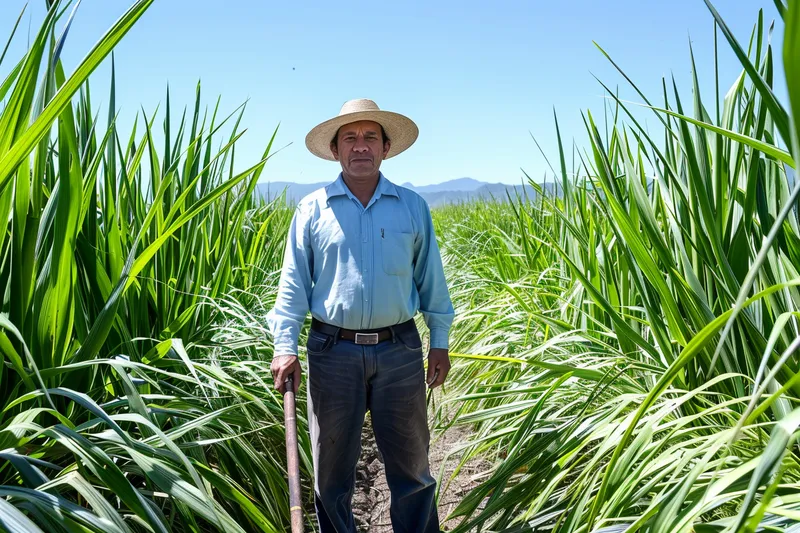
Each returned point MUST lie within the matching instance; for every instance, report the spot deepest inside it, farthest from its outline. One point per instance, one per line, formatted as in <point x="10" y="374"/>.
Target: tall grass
<point x="626" y="348"/>
<point x="646" y="319"/>
<point x="119" y="409"/>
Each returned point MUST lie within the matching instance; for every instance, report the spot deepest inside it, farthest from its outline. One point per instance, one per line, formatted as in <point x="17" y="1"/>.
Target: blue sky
<point x="478" y="78"/>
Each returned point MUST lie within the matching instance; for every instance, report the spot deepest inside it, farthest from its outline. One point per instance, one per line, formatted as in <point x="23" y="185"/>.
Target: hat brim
<point x="401" y="130"/>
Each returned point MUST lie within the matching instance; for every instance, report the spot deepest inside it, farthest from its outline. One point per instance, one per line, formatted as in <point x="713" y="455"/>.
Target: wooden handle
<point x="292" y="460"/>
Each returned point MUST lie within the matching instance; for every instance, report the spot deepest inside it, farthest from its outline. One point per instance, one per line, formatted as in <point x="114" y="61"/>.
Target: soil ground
<point x="372" y="499"/>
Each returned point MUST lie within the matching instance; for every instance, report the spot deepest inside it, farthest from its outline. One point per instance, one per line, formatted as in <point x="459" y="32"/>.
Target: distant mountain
<point x="460" y="184"/>
<point x="487" y="191"/>
<point x="452" y="191"/>
<point x="294" y="191"/>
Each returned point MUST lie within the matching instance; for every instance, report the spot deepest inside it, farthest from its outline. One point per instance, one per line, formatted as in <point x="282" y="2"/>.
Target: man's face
<point x="360" y="149"/>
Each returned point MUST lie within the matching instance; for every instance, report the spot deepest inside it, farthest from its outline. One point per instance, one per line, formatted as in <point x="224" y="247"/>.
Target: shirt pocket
<point x="397" y="249"/>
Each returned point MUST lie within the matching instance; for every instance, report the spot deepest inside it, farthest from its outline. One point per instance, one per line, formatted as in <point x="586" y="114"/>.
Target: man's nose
<point x="360" y="145"/>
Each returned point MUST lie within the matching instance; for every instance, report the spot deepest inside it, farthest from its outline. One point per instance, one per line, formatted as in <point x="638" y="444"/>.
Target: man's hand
<point x="284" y="366"/>
<point x="438" y="367"/>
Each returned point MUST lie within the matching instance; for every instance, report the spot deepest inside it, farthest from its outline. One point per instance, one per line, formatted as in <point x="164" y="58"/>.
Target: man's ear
<point x="334" y="150"/>
<point x="386" y="146"/>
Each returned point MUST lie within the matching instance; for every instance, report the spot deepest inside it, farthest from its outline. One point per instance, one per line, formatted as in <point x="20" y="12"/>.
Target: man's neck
<point x="362" y="188"/>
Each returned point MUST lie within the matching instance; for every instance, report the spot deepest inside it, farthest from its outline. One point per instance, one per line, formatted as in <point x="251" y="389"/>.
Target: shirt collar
<point x="338" y="188"/>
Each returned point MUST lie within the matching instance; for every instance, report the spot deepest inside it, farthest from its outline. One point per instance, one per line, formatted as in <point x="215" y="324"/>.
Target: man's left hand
<point x="438" y="367"/>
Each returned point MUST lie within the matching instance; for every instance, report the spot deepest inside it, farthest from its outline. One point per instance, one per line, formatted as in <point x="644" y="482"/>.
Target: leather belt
<point x="363" y="336"/>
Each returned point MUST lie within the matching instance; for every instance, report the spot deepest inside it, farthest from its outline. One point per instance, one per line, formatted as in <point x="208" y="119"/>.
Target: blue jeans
<point x="344" y="381"/>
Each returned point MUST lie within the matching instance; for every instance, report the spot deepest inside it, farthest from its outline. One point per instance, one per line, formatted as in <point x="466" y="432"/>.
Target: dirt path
<point x="371" y="500"/>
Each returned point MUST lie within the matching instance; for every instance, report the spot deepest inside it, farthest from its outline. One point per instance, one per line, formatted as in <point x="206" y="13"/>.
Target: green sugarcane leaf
<point x="15" y="521"/>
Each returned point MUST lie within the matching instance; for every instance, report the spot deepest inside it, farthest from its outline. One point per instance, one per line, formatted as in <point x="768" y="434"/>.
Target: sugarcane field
<point x="411" y="267"/>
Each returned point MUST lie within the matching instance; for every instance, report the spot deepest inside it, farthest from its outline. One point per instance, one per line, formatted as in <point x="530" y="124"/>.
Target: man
<point x="362" y="257"/>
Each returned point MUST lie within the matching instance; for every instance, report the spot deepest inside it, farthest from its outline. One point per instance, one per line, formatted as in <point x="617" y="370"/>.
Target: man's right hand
<point x="284" y="366"/>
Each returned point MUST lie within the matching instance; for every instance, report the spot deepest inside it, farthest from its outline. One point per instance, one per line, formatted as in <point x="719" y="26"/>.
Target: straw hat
<point x="401" y="130"/>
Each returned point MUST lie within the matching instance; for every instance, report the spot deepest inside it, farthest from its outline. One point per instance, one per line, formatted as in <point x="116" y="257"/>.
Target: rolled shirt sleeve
<point x="435" y="304"/>
<point x="294" y="289"/>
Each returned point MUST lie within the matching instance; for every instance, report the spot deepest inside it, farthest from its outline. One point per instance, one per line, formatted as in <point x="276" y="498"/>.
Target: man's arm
<point x="435" y="304"/>
<point x="292" y="303"/>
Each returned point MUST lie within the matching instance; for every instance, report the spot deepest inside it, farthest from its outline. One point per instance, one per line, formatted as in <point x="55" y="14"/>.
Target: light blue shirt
<point x="360" y="267"/>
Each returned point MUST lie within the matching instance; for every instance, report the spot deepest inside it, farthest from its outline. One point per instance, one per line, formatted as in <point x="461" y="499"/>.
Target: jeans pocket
<point x="398" y="252"/>
<point x="410" y="339"/>
<point x="318" y="343"/>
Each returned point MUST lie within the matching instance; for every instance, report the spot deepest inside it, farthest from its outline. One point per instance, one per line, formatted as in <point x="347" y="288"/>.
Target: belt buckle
<point x="366" y="338"/>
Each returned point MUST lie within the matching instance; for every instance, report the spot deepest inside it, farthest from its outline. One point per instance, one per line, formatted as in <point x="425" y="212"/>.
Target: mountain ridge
<point x="451" y="191"/>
